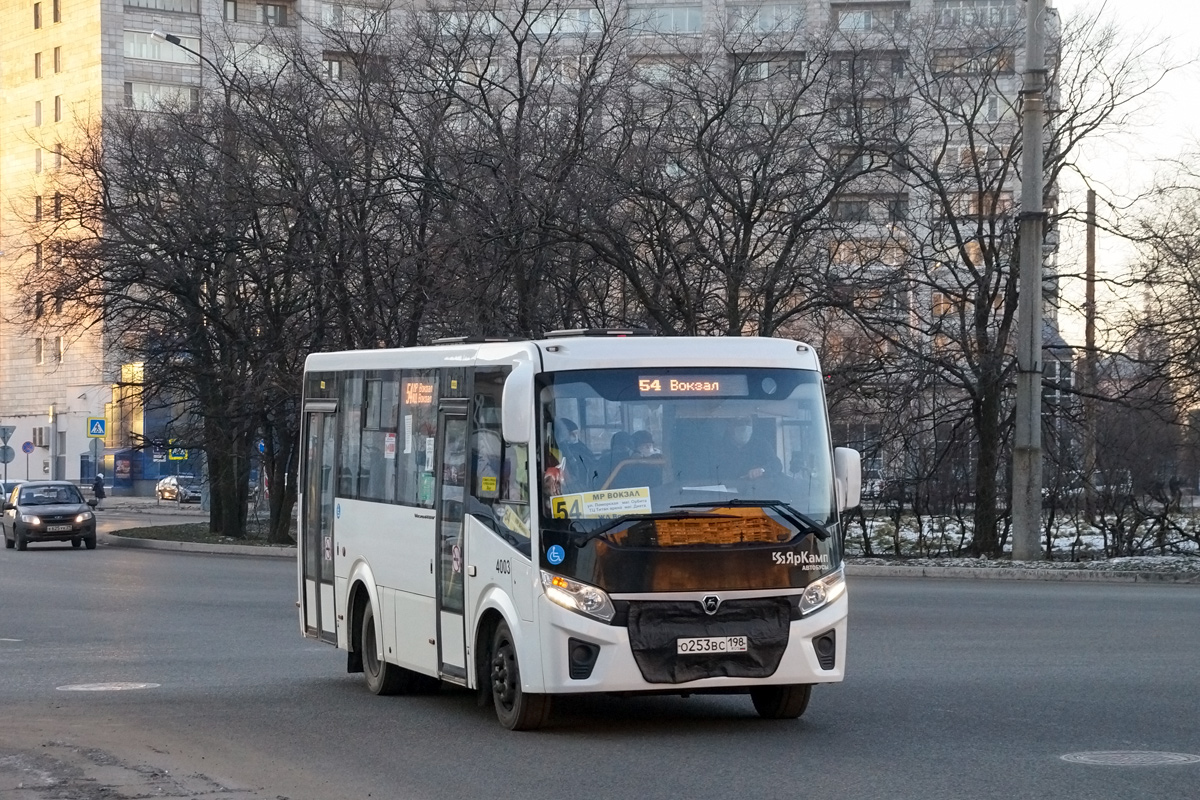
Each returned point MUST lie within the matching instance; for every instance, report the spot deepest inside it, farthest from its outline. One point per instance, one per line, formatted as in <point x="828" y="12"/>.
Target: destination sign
<point x="693" y="386"/>
<point x="418" y="393"/>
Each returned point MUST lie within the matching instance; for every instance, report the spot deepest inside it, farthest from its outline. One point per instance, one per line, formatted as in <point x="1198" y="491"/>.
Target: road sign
<point x="5" y="432"/>
<point x="95" y="428"/>
<point x="177" y="454"/>
<point x="27" y="448"/>
<point x="7" y="454"/>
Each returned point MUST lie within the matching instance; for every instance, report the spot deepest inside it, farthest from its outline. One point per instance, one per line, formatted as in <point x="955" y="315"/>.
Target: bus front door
<point x="317" y="538"/>
<point x="451" y="494"/>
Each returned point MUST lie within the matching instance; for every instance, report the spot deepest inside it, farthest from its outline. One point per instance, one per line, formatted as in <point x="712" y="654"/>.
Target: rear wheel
<point x="382" y="677"/>
<point x="517" y="710"/>
<point x="90" y="542"/>
<point x="781" y="702"/>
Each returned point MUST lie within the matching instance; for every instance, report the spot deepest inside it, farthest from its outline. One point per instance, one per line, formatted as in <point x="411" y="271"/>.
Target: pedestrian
<point x="98" y="489"/>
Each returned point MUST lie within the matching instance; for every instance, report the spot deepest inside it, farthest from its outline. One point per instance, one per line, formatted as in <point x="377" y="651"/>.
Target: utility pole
<point x="1027" y="443"/>
<point x="1089" y="361"/>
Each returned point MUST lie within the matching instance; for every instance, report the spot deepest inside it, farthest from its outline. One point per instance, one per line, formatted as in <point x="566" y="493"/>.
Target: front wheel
<point x="781" y="702"/>
<point x="516" y="709"/>
<point x="90" y="542"/>
<point x="76" y="542"/>
<point x="21" y="542"/>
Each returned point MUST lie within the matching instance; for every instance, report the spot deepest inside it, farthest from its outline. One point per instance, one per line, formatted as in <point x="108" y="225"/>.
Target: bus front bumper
<point x="614" y="667"/>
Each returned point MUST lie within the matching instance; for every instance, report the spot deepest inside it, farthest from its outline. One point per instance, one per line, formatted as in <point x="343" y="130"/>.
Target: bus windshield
<point x="628" y="443"/>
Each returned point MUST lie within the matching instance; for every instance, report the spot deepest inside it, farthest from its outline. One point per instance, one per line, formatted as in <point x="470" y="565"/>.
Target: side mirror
<point x="93" y="502"/>
<point x="847" y="473"/>
<point x="516" y="405"/>
<point x="9" y="506"/>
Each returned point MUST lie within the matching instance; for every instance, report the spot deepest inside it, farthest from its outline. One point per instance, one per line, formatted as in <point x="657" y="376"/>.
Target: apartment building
<point x="63" y="62"/>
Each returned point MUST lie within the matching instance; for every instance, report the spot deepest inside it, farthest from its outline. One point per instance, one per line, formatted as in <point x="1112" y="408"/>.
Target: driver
<point x="748" y="455"/>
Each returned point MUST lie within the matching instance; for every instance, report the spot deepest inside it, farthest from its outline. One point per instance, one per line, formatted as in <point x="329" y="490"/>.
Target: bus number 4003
<point x="504" y="566"/>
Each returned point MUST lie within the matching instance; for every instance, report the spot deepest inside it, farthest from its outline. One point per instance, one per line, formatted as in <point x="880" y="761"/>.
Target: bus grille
<point x="654" y="627"/>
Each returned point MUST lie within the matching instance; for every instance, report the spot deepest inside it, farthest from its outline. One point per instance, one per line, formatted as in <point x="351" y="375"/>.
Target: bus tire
<point x="382" y="677"/>
<point x="517" y="710"/>
<point x="781" y="702"/>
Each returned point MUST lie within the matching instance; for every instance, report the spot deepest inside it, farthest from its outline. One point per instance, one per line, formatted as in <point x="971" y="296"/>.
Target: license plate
<point x="711" y="645"/>
<point x="57" y="528"/>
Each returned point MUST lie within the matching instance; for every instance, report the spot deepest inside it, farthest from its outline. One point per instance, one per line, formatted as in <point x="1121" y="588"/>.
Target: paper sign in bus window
<point x="607" y="503"/>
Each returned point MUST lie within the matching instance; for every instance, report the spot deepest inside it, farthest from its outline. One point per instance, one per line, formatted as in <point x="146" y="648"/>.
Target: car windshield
<point x="634" y="442"/>
<point x="50" y="495"/>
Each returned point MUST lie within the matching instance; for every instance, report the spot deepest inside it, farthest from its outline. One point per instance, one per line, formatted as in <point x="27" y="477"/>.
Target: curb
<point x="116" y="540"/>
<point x="1022" y="574"/>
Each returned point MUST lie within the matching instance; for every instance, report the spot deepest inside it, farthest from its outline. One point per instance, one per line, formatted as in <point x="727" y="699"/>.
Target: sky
<point x="1167" y="127"/>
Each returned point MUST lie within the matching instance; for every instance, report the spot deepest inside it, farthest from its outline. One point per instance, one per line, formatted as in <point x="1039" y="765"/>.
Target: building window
<point x="665" y="19"/>
<point x="158" y="96"/>
<point x="272" y="14"/>
<point x="39" y="306"/>
<point x="767" y="17"/>
<point x="898" y="209"/>
<point x="230" y="10"/>
<point x="39" y="351"/>
<point x="862" y="20"/>
<point x="60" y="347"/>
<point x="58" y="108"/>
<point x="961" y="13"/>
<point x="332" y="67"/>
<point x="37" y="65"/>
<point x="37" y="208"/>
<point x="142" y="45"/>
<point x="58" y="59"/>
<point x="37" y="113"/>
<point x="37" y="160"/>
<point x="58" y="155"/>
<point x="58" y="205"/>
<point x="182" y="6"/>
<point x="851" y="210"/>
<point x="57" y="5"/>
<point x="37" y="15"/>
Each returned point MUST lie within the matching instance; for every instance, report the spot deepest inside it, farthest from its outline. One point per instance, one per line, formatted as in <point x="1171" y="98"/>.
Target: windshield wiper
<point x="639" y="517"/>
<point x="785" y="510"/>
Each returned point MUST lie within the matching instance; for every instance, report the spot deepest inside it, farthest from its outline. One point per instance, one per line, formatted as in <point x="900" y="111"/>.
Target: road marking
<point x="115" y="686"/>
<point x="10" y="640"/>
<point x="1130" y="758"/>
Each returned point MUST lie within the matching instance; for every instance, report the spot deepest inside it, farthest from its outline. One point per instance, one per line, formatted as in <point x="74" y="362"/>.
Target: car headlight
<point x="30" y="519"/>
<point x="84" y="517"/>
<point x="578" y="597"/>
<point x="824" y="591"/>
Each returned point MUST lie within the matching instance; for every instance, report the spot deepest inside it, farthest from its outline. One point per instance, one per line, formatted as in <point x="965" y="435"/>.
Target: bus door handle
<point x="471" y="571"/>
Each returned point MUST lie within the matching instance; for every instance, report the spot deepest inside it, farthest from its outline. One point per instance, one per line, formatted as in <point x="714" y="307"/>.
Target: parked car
<point x="48" y="511"/>
<point x="180" y="488"/>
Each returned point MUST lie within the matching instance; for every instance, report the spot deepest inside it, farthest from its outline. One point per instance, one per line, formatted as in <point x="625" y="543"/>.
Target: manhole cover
<point x="106" y="687"/>
<point x="1130" y="758"/>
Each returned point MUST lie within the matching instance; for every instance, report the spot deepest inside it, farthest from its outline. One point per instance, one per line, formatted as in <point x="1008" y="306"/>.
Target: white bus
<point x="591" y="512"/>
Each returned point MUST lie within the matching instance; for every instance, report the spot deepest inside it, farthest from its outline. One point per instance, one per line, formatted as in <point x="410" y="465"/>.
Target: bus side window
<point x="500" y="470"/>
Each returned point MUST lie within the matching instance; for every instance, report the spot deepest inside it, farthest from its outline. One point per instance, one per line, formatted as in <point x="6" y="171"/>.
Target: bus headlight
<point x="824" y="591"/>
<point x="578" y="597"/>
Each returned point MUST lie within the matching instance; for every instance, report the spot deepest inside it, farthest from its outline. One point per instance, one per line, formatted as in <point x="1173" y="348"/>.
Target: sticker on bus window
<point x="389" y="446"/>
<point x="487" y="484"/>
<point x="606" y="503"/>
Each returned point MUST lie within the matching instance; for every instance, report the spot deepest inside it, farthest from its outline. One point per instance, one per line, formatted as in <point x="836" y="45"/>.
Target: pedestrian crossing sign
<point x="95" y="429"/>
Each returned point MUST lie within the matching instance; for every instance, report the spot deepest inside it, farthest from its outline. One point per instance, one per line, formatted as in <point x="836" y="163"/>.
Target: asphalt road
<point x="957" y="689"/>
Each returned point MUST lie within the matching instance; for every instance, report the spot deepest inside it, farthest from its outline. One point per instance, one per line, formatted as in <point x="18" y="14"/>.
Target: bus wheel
<point x="781" y="702"/>
<point x="382" y="677"/>
<point x="516" y="710"/>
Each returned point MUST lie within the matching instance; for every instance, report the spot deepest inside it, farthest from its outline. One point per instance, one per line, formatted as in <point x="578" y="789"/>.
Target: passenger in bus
<point x="620" y="448"/>
<point x="643" y="444"/>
